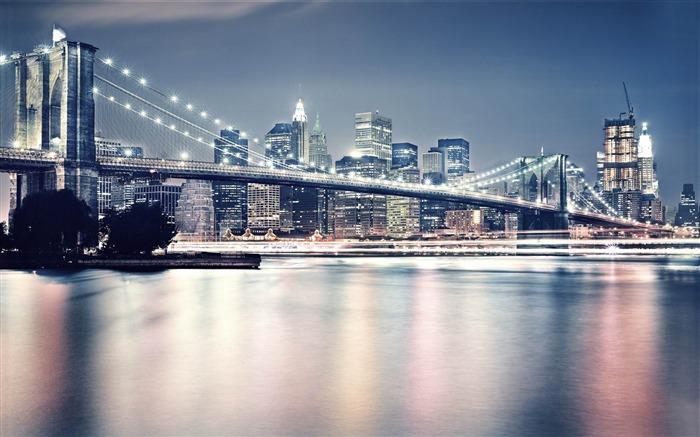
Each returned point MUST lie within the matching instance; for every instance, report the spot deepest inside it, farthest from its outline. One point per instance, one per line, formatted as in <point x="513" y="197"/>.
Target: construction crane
<point x="630" y="109"/>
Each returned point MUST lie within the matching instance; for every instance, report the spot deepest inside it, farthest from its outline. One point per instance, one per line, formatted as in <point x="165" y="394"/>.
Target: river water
<point x="356" y="346"/>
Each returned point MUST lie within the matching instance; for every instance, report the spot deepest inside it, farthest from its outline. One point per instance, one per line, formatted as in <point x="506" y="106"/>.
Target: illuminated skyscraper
<point x="278" y="143"/>
<point x="404" y="155"/>
<point x="318" y="148"/>
<point x="194" y="213"/>
<point x="647" y="176"/>
<point x="230" y="198"/>
<point x="358" y="214"/>
<point x="403" y="213"/>
<point x="687" y="214"/>
<point x="456" y="151"/>
<point x="621" y="180"/>
<point x="373" y="135"/>
<point x="300" y="134"/>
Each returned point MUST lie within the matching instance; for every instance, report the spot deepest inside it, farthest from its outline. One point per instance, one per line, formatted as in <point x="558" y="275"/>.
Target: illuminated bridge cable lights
<point x="174" y="98"/>
<point x="254" y="157"/>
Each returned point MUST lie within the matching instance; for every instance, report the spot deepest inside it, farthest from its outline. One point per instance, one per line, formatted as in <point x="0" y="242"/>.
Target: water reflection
<point x="357" y="346"/>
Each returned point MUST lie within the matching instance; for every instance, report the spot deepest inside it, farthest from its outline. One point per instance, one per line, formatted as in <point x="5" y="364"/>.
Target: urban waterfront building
<point x="464" y="221"/>
<point x="621" y="182"/>
<point x="278" y="143"/>
<point x="318" y="148"/>
<point x="167" y="196"/>
<point x="110" y="188"/>
<point x="373" y="135"/>
<point x="403" y="213"/>
<point x="456" y="157"/>
<point x="404" y="155"/>
<point x="650" y="208"/>
<point x="194" y="213"/>
<point x="359" y="214"/>
<point x="600" y="171"/>
<point x="687" y="212"/>
<point x="230" y="198"/>
<point x="432" y="212"/>
<point x="300" y="135"/>
<point x="263" y="207"/>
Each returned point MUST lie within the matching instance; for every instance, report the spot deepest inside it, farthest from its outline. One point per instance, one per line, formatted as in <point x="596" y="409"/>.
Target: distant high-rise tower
<point x="194" y="213"/>
<point x="278" y="143"/>
<point x="648" y="183"/>
<point x="621" y="182"/>
<point x="404" y="155"/>
<point x="300" y="134"/>
<point x="456" y="151"/>
<point x="687" y="214"/>
<point x="620" y="167"/>
<point x="373" y="135"/>
<point x="358" y="214"/>
<point x="318" y="148"/>
<point x="230" y="198"/>
<point x="432" y="212"/>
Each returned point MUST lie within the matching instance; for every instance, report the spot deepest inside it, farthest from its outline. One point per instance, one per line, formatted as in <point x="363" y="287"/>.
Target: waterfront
<point x="356" y="346"/>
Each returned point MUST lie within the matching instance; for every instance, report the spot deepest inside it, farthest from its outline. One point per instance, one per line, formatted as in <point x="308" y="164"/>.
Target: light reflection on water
<point x="355" y="346"/>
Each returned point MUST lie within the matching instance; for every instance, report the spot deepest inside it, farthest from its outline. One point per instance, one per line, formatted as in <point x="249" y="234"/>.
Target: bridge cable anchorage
<point x="173" y="98"/>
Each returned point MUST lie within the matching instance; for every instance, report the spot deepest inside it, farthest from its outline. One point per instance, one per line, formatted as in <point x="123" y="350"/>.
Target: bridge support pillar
<point x="539" y="224"/>
<point x="55" y="110"/>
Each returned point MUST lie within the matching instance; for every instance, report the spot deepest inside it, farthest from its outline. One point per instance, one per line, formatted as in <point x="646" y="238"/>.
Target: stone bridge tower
<point x="544" y="184"/>
<point x="55" y="111"/>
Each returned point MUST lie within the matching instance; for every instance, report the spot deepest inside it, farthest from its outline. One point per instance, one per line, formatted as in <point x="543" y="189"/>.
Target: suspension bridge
<point x="61" y="92"/>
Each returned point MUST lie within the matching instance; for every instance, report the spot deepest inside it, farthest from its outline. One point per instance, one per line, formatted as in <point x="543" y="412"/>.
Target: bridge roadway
<point x="23" y="160"/>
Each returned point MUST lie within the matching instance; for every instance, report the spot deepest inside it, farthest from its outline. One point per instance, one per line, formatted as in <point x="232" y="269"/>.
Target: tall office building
<point x="403" y="213"/>
<point x="650" y="208"/>
<point x="318" y="148"/>
<point x="110" y="188"/>
<point x="358" y="214"/>
<point x="432" y="212"/>
<point x="167" y="196"/>
<point x="599" y="170"/>
<point x="621" y="182"/>
<point x="263" y="207"/>
<point x="278" y="143"/>
<point x="456" y="151"/>
<point x="300" y="135"/>
<point x="373" y="135"/>
<point x="620" y="168"/>
<point x="230" y="198"/>
<point x="647" y="175"/>
<point x="687" y="213"/>
<point x="194" y="213"/>
<point x="404" y="155"/>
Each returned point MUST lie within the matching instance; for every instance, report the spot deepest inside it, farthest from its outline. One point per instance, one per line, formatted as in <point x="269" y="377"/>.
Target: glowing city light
<point x="126" y="72"/>
<point x="108" y="61"/>
<point x="142" y="81"/>
<point x="184" y="155"/>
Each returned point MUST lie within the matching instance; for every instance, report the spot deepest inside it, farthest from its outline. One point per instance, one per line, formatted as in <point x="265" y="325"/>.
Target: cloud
<point x="102" y="12"/>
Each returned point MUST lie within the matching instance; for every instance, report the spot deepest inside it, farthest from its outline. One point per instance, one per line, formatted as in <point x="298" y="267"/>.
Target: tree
<point x="140" y="229"/>
<point x="53" y="222"/>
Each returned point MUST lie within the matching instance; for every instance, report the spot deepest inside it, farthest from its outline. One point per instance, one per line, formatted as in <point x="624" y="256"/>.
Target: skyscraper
<point x="318" y="148"/>
<point x="373" y="135"/>
<point x="456" y="151"/>
<point x="403" y="213"/>
<point x="194" y="213"/>
<point x="648" y="183"/>
<point x="687" y="214"/>
<point x="278" y="143"/>
<point x="358" y="214"/>
<point x="230" y="198"/>
<point x="300" y="134"/>
<point x="621" y="181"/>
<point x="263" y="207"/>
<point x="167" y="196"/>
<point x="404" y="155"/>
<point x="432" y="212"/>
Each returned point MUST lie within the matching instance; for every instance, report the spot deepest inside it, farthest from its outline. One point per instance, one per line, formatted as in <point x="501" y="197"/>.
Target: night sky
<point x="508" y="77"/>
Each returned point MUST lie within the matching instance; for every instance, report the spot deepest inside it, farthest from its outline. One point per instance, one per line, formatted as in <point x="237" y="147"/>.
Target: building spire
<point x="317" y="127"/>
<point x="299" y="114"/>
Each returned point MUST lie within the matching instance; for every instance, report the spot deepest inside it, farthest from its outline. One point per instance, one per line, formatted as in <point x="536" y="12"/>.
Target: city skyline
<point x="511" y="96"/>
